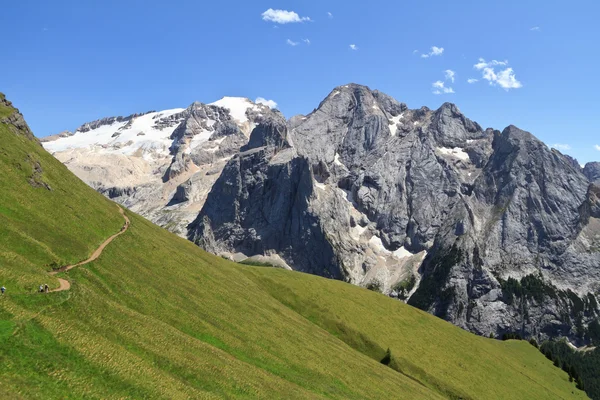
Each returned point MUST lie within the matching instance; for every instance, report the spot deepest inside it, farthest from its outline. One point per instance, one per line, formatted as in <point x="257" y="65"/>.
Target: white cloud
<point x="306" y="41"/>
<point x="484" y="64"/>
<point x="450" y="75"/>
<point x="353" y="47"/>
<point x="269" y="103"/>
<point x="440" y="88"/>
<point x="435" y="51"/>
<point x="292" y="43"/>
<point x="282" y="16"/>
<point x="561" y="146"/>
<point x="472" y="80"/>
<point x="535" y="28"/>
<point x="329" y="15"/>
<point x="505" y="78"/>
<point x="597" y="147"/>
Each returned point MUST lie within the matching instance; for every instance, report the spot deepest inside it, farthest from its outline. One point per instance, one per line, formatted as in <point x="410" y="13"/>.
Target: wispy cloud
<point x="282" y="16"/>
<point x="472" y="80"/>
<point x="353" y="47"/>
<point x="292" y="43"/>
<point x="597" y="147"/>
<point x="449" y="75"/>
<point x="329" y="15"/>
<point x="268" y="103"/>
<point x="484" y="64"/>
<point x="561" y="146"/>
<point x="440" y="88"/>
<point x="505" y="78"/>
<point x="535" y="29"/>
<point x="435" y="51"/>
<point x="307" y="41"/>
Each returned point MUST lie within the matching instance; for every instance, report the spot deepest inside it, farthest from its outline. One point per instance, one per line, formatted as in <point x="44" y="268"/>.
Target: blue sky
<point x="64" y="63"/>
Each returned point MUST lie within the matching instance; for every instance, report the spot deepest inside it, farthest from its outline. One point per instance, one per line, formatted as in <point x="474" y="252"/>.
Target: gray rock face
<point x="592" y="171"/>
<point x="490" y="230"/>
<point x="108" y="121"/>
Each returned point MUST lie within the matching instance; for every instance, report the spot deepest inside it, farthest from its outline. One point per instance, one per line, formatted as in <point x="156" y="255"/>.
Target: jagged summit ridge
<point x="376" y="193"/>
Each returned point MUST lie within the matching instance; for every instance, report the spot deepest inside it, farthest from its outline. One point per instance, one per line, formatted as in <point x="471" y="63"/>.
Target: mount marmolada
<point x="491" y="230"/>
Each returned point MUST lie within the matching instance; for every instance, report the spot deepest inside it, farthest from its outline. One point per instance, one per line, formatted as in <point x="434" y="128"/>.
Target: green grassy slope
<point x="156" y="317"/>
<point x="41" y="227"/>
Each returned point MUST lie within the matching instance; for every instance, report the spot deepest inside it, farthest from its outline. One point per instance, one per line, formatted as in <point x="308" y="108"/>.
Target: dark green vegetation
<point x="432" y="284"/>
<point x="582" y="366"/>
<point x="156" y="317"/>
<point x="404" y="287"/>
<point x="256" y="263"/>
<point x="534" y="288"/>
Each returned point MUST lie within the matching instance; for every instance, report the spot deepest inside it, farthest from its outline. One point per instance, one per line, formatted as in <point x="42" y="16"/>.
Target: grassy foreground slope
<point x="47" y="218"/>
<point x="156" y="317"/>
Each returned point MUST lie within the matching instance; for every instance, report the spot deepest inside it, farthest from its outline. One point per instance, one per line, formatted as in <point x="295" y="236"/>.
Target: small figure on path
<point x="46" y="288"/>
<point x="41" y="288"/>
<point x="2" y="289"/>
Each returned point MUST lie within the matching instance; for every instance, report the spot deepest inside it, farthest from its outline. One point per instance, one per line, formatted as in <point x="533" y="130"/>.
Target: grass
<point x="156" y="317"/>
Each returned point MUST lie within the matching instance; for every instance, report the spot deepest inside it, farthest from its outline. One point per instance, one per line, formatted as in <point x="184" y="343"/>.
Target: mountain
<point x="159" y="164"/>
<point x="490" y="230"/>
<point x="154" y="316"/>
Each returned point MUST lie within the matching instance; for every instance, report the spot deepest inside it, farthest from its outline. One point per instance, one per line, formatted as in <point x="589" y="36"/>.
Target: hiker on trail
<point x="46" y="288"/>
<point x="41" y="288"/>
<point x="2" y="289"/>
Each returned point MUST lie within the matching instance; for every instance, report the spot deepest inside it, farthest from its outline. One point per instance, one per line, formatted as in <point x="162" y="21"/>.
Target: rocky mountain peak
<point x="271" y="132"/>
<point x="451" y="128"/>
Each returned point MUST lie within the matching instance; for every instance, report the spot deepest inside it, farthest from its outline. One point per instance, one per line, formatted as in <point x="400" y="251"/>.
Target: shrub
<point x="374" y="286"/>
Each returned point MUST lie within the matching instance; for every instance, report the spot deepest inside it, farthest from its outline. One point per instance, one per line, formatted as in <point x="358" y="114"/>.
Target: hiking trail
<point x="64" y="284"/>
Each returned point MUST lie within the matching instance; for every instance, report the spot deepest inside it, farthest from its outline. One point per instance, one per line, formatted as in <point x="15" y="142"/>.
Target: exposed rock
<point x="14" y="119"/>
<point x="365" y="189"/>
<point x="592" y="171"/>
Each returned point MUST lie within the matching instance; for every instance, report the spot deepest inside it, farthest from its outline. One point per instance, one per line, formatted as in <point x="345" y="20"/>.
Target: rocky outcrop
<point x="89" y="126"/>
<point x="11" y="116"/>
<point x="490" y="230"/>
<point x="592" y="171"/>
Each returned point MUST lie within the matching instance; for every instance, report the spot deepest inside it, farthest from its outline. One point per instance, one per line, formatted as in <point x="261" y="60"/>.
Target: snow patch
<point x="321" y="186"/>
<point x="200" y="138"/>
<point x="455" y="152"/>
<point x="125" y="137"/>
<point x="237" y="107"/>
<point x="336" y="160"/>
<point x="377" y="245"/>
<point x="394" y="124"/>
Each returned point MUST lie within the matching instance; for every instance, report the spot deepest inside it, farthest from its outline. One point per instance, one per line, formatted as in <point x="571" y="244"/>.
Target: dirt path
<point x="64" y="284"/>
